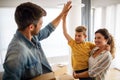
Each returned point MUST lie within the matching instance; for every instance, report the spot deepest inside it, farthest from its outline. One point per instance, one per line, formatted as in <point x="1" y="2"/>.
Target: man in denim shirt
<point x="25" y="58"/>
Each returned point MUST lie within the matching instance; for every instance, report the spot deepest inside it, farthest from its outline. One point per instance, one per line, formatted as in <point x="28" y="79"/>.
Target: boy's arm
<point x="67" y="36"/>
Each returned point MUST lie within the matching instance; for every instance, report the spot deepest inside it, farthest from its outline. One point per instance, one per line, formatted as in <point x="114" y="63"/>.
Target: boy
<point x="80" y="48"/>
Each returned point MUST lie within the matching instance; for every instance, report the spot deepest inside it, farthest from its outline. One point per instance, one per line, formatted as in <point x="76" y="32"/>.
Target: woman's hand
<point x="75" y="75"/>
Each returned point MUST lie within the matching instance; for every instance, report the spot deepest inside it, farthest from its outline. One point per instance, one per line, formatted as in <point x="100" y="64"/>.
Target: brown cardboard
<point x="47" y="76"/>
<point x="60" y="72"/>
<point x="59" y="69"/>
<point x="65" y="77"/>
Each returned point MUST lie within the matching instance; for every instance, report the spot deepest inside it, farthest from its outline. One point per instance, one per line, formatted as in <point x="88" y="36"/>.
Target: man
<point x="25" y="58"/>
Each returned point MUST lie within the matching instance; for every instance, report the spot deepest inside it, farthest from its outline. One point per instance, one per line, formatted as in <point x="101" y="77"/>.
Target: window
<point x="7" y="30"/>
<point x="117" y="37"/>
<point x="111" y="18"/>
<point x="97" y="20"/>
<point x="56" y="44"/>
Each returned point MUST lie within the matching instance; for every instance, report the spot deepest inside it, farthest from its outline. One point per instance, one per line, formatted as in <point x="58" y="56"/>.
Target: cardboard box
<point x="65" y="77"/>
<point x="59" y="69"/>
<point x="47" y="76"/>
<point x="60" y="72"/>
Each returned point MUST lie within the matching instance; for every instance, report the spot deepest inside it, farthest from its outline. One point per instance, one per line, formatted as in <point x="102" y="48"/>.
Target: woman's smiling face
<point x="100" y="40"/>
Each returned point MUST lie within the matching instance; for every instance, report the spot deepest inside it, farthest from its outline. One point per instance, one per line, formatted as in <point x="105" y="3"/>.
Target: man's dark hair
<point x="28" y="13"/>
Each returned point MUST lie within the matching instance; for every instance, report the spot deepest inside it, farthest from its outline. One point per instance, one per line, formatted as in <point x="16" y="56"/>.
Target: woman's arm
<point x="101" y="65"/>
<point x="80" y="75"/>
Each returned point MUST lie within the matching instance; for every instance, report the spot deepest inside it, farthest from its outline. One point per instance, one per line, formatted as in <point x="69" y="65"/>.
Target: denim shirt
<point x="25" y="59"/>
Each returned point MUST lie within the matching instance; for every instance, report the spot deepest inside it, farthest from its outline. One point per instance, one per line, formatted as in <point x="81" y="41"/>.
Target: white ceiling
<point x="44" y="3"/>
<point x="55" y="3"/>
<point x="103" y="3"/>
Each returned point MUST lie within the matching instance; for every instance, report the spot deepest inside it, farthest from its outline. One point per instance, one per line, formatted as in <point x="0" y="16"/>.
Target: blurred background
<point x="94" y="14"/>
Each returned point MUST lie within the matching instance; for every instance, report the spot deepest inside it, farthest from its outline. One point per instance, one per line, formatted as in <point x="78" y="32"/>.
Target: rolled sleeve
<point x="45" y="32"/>
<point x="51" y="26"/>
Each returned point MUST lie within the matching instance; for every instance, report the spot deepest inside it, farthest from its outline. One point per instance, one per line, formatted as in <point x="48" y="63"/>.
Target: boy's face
<point x="79" y="37"/>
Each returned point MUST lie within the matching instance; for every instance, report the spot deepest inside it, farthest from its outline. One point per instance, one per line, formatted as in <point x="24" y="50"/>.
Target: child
<point x="80" y="48"/>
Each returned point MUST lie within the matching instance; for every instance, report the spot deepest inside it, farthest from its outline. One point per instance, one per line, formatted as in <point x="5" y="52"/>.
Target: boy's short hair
<point x="81" y="29"/>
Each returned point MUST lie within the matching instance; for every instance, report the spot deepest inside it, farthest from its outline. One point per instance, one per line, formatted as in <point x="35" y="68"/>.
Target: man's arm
<point x="45" y="32"/>
<point x="100" y="66"/>
<point x="12" y="66"/>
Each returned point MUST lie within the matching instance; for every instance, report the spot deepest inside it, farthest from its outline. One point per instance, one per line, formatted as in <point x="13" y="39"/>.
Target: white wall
<point x="104" y="3"/>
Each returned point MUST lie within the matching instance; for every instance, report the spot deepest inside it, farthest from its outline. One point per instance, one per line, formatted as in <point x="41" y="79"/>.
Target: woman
<point x="100" y="58"/>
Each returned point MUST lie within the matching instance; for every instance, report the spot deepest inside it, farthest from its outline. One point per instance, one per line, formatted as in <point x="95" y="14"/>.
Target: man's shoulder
<point x="16" y="46"/>
<point x="15" y="43"/>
